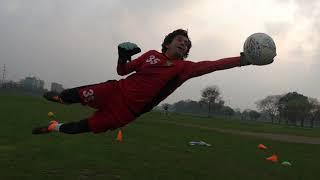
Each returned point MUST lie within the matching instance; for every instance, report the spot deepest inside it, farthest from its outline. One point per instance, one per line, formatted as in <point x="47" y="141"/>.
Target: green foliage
<point x="269" y="105"/>
<point x="294" y="106"/>
<point x="211" y="96"/>
<point x="251" y="114"/>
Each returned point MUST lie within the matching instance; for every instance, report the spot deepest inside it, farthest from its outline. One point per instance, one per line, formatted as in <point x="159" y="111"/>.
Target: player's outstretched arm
<point x="194" y="69"/>
<point x="205" y="67"/>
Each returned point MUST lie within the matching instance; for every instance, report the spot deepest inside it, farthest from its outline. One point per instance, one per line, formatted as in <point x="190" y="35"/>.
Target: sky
<point x="74" y="42"/>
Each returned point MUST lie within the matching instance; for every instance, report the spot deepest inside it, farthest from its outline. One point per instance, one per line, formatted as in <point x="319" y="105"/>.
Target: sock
<point x="57" y="128"/>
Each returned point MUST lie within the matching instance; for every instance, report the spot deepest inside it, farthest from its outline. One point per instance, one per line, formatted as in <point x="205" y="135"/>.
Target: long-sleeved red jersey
<point x="156" y="77"/>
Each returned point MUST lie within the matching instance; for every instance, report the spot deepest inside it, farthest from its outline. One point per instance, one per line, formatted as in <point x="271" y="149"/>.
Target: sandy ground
<point x="276" y="137"/>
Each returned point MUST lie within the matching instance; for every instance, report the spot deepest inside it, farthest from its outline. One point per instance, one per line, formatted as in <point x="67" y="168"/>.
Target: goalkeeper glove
<point x="126" y="50"/>
<point x="243" y="60"/>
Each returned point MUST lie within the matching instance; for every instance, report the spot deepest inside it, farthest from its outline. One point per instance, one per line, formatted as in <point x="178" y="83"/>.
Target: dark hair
<point x="169" y="38"/>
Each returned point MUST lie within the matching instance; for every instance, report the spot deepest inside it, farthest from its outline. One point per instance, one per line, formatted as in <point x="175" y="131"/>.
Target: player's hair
<point x="169" y="38"/>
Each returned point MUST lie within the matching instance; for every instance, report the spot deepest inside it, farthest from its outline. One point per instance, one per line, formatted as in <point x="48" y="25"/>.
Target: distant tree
<point x="315" y="116"/>
<point x="186" y="106"/>
<point x="254" y="115"/>
<point x="245" y="114"/>
<point x="294" y="107"/>
<point x="237" y="112"/>
<point x="315" y="111"/>
<point x="269" y="105"/>
<point x="250" y="114"/>
<point x="211" y="95"/>
<point x="202" y="103"/>
<point x="165" y="108"/>
<point x="180" y="106"/>
<point x="227" y="111"/>
<point x="218" y="106"/>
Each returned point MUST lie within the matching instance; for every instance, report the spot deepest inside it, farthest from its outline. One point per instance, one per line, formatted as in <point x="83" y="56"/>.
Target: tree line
<point x="290" y="108"/>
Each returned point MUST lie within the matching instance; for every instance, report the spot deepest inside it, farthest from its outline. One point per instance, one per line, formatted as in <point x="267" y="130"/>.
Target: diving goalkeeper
<point x="153" y="77"/>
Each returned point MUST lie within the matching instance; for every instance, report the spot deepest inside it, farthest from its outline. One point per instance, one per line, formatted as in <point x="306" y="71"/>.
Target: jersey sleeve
<point x="134" y="65"/>
<point x="195" y="69"/>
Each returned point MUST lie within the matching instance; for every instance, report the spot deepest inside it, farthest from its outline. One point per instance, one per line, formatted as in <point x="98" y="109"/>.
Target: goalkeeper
<point x="156" y="75"/>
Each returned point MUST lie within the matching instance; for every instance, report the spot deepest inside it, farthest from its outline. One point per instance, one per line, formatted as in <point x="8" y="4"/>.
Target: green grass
<point x="150" y="150"/>
<point x="253" y="126"/>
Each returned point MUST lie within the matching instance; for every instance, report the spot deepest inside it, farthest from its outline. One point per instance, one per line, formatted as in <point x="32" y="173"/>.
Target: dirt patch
<point x="271" y="136"/>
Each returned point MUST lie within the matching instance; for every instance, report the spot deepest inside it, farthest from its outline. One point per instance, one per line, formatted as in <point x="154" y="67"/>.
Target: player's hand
<point x="243" y="60"/>
<point x="126" y="50"/>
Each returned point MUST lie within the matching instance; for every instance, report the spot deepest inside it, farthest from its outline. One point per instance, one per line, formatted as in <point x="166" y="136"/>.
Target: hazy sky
<point x="74" y="42"/>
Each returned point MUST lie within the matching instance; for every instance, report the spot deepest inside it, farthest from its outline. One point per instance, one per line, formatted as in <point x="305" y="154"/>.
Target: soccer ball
<point x="259" y="49"/>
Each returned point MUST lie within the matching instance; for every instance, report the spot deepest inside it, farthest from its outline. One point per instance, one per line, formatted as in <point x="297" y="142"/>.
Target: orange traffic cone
<point x="261" y="146"/>
<point x="119" y="136"/>
<point x="273" y="158"/>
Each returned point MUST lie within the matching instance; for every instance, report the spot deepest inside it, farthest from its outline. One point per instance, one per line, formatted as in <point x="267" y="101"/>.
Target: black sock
<point x="75" y="127"/>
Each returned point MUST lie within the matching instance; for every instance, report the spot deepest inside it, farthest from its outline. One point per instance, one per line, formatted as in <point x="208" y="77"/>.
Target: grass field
<point x="152" y="149"/>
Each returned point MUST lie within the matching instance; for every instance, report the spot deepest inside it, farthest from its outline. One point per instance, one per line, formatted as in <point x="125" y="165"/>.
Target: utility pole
<point x="3" y="74"/>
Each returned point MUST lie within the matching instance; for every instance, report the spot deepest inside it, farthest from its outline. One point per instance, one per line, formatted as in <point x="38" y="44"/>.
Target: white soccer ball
<point x="259" y="49"/>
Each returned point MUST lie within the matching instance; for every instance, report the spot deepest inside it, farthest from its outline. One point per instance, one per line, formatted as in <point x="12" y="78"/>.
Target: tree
<point x="211" y="95"/>
<point x="294" y="106"/>
<point x="254" y="114"/>
<point x="315" y="111"/>
<point x="269" y="105"/>
<point x="165" y="107"/>
<point x="245" y="114"/>
<point x="186" y="106"/>
<point x="227" y="111"/>
<point x="250" y="114"/>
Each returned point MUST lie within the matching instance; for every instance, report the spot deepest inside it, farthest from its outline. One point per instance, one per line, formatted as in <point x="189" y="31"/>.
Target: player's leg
<point x="100" y="121"/>
<point x="95" y="95"/>
<point x="112" y="112"/>
<point x="81" y="126"/>
<point x="99" y="96"/>
<point x="67" y="96"/>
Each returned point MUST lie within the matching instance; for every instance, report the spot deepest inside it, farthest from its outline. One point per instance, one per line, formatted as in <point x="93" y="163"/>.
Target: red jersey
<point x="156" y="77"/>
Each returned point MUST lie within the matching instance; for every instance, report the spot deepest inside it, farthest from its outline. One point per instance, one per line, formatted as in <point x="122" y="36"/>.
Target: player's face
<point x="178" y="47"/>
